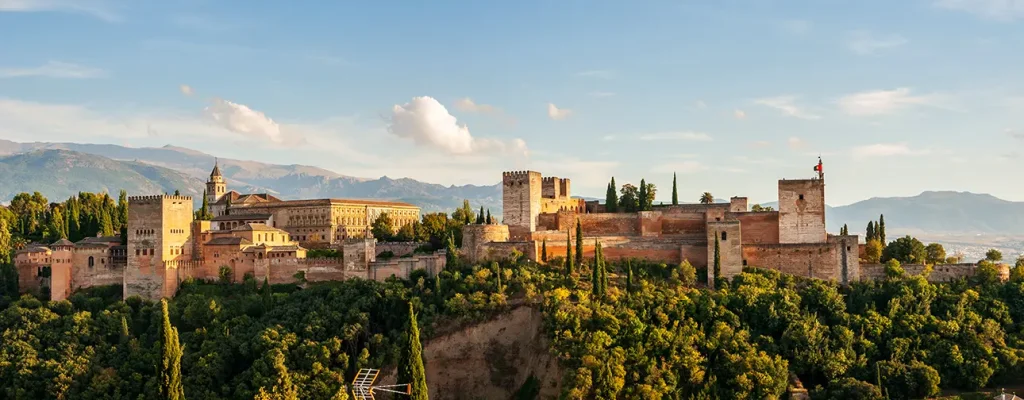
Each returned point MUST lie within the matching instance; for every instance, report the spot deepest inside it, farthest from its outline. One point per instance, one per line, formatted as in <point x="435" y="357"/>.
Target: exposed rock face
<point x="490" y="360"/>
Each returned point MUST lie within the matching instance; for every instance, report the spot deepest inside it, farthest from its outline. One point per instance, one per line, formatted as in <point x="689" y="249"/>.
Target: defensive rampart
<point x="939" y="272"/>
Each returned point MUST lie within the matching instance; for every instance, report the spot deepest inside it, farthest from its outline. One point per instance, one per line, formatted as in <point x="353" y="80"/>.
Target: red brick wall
<point x="814" y="260"/>
<point x="759" y="227"/>
<point x="610" y="224"/>
<point x="688" y="224"/>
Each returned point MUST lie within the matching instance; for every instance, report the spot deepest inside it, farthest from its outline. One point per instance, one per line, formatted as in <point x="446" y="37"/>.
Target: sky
<point x="896" y="96"/>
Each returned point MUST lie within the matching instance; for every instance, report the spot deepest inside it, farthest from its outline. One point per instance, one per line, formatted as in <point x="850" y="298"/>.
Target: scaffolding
<point x="363" y="387"/>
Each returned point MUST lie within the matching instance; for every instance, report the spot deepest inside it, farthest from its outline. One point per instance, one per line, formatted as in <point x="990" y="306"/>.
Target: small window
<point x="724" y="236"/>
<point x="92" y="262"/>
<point x="847" y="248"/>
<point x="801" y="197"/>
<point x="744" y="263"/>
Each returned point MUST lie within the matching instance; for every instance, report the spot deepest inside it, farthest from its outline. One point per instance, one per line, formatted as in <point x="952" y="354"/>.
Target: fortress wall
<point x="650" y="223"/>
<point x="621" y="247"/>
<point x="940" y="272"/>
<point x="103" y="271"/>
<point x="610" y="224"/>
<point x="688" y="224"/>
<point x="476" y="237"/>
<point x="398" y="248"/>
<point x="759" y="227"/>
<point x="502" y="250"/>
<point x="691" y="208"/>
<point x="547" y="222"/>
<point x="809" y="260"/>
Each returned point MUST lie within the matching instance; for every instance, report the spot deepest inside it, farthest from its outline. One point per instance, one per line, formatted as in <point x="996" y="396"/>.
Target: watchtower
<point x="159" y="230"/>
<point x="216" y="187"/>
<point x="802" y="211"/>
<point x="521" y="194"/>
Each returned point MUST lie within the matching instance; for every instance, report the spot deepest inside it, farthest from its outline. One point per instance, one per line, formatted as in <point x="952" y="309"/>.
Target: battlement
<point x="151" y="199"/>
<point x="550" y="179"/>
<point x="517" y="175"/>
<point x="183" y="264"/>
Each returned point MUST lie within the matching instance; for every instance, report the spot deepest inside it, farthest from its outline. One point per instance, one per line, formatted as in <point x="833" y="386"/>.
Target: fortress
<point x="255" y="235"/>
<point x="539" y="214"/>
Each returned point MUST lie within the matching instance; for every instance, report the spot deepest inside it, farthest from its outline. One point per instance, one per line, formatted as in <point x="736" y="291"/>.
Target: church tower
<point x="215" y="187"/>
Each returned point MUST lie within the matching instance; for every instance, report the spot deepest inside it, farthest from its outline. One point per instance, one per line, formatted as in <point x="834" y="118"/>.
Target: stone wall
<point x="612" y="224"/>
<point x="159" y="228"/>
<point x="802" y="211"/>
<point x="403" y="267"/>
<point x="730" y="249"/>
<point x="667" y="250"/>
<point x="688" y="224"/>
<point x="521" y="196"/>
<point x="397" y="248"/>
<point x="759" y="227"/>
<point x="940" y="272"/>
<point x="357" y="254"/>
<point x="476" y="237"/>
<point x="101" y="272"/>
<point x="737" y="204"/>
<point x="809" y="260"/>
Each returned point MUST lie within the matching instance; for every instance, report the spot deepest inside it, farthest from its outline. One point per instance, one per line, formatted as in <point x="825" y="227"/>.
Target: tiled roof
<point x="63" y="242"/>
<point x="240" y="217"/>
<point x="33" y="249"/>
<point x="100" y="239"/>
<point x="237" y="198"/>
<point x="257" y="227"/>
<point x="230" y="240"/>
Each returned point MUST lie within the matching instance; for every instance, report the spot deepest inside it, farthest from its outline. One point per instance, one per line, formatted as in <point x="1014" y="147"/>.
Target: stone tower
<point x="216" y="187"/>
<point x="802" y="211"/>
<point x="521" y="193"/>
<point x="60" y="269"/>
<point x="158" y="232"/>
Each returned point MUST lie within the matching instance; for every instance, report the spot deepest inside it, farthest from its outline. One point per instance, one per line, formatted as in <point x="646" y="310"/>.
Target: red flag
<point x="817" y="168"/>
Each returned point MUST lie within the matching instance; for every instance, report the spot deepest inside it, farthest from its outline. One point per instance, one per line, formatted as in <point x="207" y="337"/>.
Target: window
<point x="744" y="263"/>
<point x="724" y="236"/>
<point x="801" y="197"/>
<point x="91" y="262"/>
<point x="137" y="252"/>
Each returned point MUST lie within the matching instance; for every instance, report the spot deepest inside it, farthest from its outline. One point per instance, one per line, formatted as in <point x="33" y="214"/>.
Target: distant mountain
<point x="59" y="174"/>
<point x="285" y="181"/>
<point x="932" y="212"/>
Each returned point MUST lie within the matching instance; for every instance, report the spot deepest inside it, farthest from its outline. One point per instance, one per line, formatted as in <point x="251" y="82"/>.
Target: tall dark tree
<point x="718" y="261"/>
<point x="568" y="252"/>
<point x="642" y="197"/>
<point x="579" y="244"/>
<point x="869" y="234"/>
<point x="170" y="368"/>
<point x="415" y="363"/>
<point x="177" y="192"/>
<point x="629" y="277"/>
<point x="488" y="217"/>
<point x="480" y="216"/>
<point x="106" y="224"/>
<point x="595" y="272"/>
<point x="451" y="252"/>
<point x="122" y="209"/>
<point x="611" y="199"/>
<point x="675" y="191"/>
<point x="881" y="228"/>
<point x="544" y="251"/>
<point x="204" y="210"/>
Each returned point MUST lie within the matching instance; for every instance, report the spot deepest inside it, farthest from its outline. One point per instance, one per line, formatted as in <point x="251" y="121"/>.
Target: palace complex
<point x="250" y="234"/>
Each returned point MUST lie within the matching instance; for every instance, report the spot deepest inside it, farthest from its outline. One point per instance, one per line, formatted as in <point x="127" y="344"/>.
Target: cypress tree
<point x="675" y="192"/>
<point x="544" y="251"/>
<point x="881" y="229"/>
<point x="106" y="224"/>
<point x="497" y="273"/>
<point x="488" y="217"/>
<point x="480" y="216"/>
<point x="122" y="208"/>
<point x="170" y="369"/>
<point x="579" y="244"/>
<point x="603" y="278"/>
<point x="718" y="260"/>
<point x="869" y="234"/>
<point x="451" y="251"/>
<point x="568" y="253"/>
<point x="642" y="197"/>
<point x="629" y="277"/>
<point x="415" y="364"/>
<point x="595" y="272"/>
<point x="268" y="295"/>
<point x="611" y="199"/>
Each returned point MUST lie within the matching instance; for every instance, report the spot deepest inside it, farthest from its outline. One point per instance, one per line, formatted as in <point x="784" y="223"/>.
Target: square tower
<point x="551" y="187"/>
<point x="521" y="193"/>
<point x="802" y="211"/>
<point x="159" y="230"/>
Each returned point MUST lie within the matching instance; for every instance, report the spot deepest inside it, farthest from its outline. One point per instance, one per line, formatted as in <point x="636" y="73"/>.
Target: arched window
<point x="91" y="262"/>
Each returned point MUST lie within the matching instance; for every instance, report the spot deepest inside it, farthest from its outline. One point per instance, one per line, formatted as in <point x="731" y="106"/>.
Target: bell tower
<point x="215" y="187"/>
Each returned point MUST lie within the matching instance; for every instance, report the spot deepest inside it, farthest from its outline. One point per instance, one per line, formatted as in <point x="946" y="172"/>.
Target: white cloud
<point x="601" y="94"/>
<point x="53" y="69"/>
<point x="689" y="136"/>
<point x="700" y="104"/>
<point x="880" y="102"/>
<point x="558" y="114"/>
<point x="1000" y="10"/>
<point x="886" y="149"/>
<point x="598" y="73"/>
<point x="96" y="8"/>
<point x="1015" y="133"/>
<point x="739" y="114"/>
<point x="787" y="105"/>
<point x="428" y="123"/>
<point x="866" y="43"/>
<point x="796" y="143"/>
<point x="467" y="104"/>
<point x="186" y="90"/>
<point x="241" y="119"/>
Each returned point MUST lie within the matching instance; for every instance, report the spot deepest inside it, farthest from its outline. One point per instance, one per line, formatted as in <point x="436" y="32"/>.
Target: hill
<point x="59" y="174"/>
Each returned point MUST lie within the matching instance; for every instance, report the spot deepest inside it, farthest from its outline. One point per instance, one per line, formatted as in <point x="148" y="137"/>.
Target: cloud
<point x="787" y="106"/>
<point x="467" y="104"/>
<point x="1000" y="10"/>
<point x="185" y="90"/>
<point x="558" y="114"/>
<point x="599" y="73"/>
<point x="880" y="102"/>
<point x="689" y="136"/>
<point x="866" y="43"/>
<point x="1015" y="133"/>
<point x="53" y="69"/>
<point x="601" y="94"/>
<point x="761" y="144"/>
<point x="428" y="123"/>
<point x="95" y="8"/>
<point x="241" y="119"/>
<point x="700" y="105"/>
<point x="739" y="114"/>
<point x="886" y="149"/>
<point x="796" y="143"/>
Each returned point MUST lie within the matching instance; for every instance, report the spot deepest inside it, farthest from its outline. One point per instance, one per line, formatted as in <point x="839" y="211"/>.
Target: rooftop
<point x="231" y="240"/>
<point x="257" y="227"/>
<point x="242" y="217"/>
<point x="65" y="242"/>
<point x="101" y="239"/>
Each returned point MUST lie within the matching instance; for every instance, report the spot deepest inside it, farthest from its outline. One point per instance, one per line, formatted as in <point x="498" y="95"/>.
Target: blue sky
<point x="897" y="96"/>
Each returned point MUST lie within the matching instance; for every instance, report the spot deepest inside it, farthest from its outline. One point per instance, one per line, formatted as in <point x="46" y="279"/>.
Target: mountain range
<point x="60" y="170"/>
